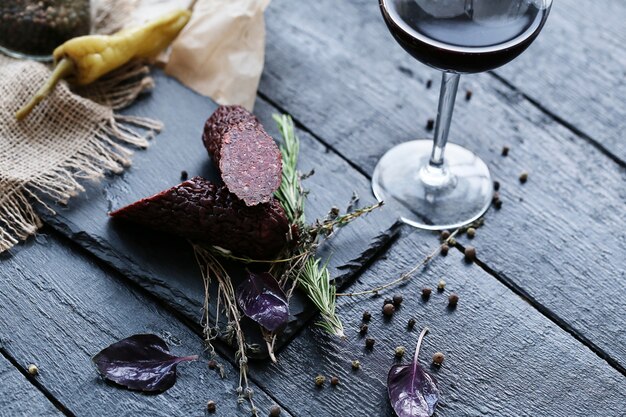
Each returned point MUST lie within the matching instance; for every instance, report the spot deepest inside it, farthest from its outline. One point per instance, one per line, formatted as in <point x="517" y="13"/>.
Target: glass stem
<point x="447" y="95"/>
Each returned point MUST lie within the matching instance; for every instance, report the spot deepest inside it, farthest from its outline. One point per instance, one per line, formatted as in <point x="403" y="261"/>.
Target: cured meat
<point x="200" y="210"/>
<point x="248" y="159"/>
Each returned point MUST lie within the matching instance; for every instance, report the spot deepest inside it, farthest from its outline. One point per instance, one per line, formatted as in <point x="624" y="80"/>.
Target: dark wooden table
<point x="541" y="324"/>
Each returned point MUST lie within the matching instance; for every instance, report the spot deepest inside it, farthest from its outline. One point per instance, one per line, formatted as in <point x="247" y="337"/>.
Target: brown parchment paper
<point x="221" y="51"/>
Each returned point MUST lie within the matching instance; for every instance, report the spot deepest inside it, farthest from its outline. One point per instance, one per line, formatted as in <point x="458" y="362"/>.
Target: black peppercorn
<point x="497" y="204"/>
<point x="184" y="175"/>
<point x="334" y="381"/>
<point x="411" y="324"/>
<point x="210" y="406"/>
<point x="505" y="151"/>
<point x="468" y="95"/>
<point x="363" y="329"/>
<point x="367" y="316"/>
<point x="275" y="411"/>
<point x="397" y="300"/>
<point x="523" y="177"/>
<point x="388" y="309"/>
<point x="369" y="343"/>
<point x="426" y="293"/>
<point x="470" y="254"/>
<point x="453" y="300"/>
<point x="496" y="185"/>
<point x="445" y="234"/>
<point x="444" y="249"/>
<point x="438" y="358"/>
<point x="429" y="83"/>
<point x="430" y="124"/>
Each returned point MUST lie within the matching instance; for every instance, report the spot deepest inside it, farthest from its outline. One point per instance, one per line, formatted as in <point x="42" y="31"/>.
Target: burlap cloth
<point x="70" y="137"/>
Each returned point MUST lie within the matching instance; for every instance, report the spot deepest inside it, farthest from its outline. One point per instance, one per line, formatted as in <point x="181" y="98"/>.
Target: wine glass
<point x="454" y="36"/>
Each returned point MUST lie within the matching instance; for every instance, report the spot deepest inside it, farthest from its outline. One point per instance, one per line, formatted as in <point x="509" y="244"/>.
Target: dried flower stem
<point x="405" y="276"/>
<point x="226" y="294"/>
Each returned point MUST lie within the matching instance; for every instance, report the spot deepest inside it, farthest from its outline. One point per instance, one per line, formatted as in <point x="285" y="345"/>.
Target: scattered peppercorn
<point x="430" y="124"/>
<point x="33" y="369"/>
<point x="441" y="286"/>
<point x="363" y="329"/>
<point x="411" y="323"/>
<point x="184" y="175"/>
<point x="275" y="411"/>
<point x="453" y="300"/>
<point x="397" y="300"/>
<point x="429" y="83"/>
<point x="367" y="316"/>
<point x="400" y="350"/>
<point x="210" y="406"/>
<point x="468" y="95"/>
<point x="445" y="234"/>
<point x="523" y="177"/>
<point x="438" y="358"/>
<point x="444" y="249"/>
<point x="471" y="232"/>
<point x="388" y="309"/>
<point x="497" y="204"/>
<point x="426" y="291"/>
<point x="319" y="380"/>
<point x="212" y="364"/>
<point x="496" y="185"/>
<point x="356" y="365"/>
<point x="334" y="381"/>
<point x="369" y="343"/>
<point x="505" y="151"/>
<point x="470" y="254"/>
<point x="388" y="301"/>
<point x="452" y="241"/>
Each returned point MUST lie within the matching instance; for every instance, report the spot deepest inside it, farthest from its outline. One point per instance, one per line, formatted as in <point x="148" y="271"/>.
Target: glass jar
<point x="34" y="28"/>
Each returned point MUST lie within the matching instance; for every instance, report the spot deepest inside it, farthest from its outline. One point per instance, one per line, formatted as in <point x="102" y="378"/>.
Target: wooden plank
<point x="58" y="308"/>
<point x="557" y="237"/>
<point x="18" y="397"/>
<point x="502" y="357"/>
<point x="166" y="266"/>
<point x="576" y="70"/>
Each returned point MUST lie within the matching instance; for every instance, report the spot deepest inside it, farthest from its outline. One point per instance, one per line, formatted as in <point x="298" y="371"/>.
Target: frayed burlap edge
<point x="106" y="151"/>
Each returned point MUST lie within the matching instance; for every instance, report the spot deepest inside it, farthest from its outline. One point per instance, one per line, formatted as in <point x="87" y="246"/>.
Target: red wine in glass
<point x="454" y="36"/>
<point x="474" y="36"/>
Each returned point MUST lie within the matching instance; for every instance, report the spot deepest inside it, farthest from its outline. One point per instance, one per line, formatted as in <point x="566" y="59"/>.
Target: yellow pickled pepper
<point x="87" y="58"/>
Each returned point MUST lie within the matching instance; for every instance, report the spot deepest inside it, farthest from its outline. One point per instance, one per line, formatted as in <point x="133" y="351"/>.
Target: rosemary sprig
<point x="308" y="272"/>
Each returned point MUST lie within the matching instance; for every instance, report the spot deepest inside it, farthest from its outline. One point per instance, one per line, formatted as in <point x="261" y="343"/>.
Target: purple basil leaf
<point x="412" y="391"/>
<point x="142" y="362"/>
<point x="261" y="298"/>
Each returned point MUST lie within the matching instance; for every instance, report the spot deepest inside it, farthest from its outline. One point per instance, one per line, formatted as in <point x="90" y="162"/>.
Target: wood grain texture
<point x="58" y="308"/>
<point x="19" y="397"/>
<point x="164" y="265"/>
<point x="577" y="70"/>
<point x="502" y="357"/>
<point x="559" y="238"/>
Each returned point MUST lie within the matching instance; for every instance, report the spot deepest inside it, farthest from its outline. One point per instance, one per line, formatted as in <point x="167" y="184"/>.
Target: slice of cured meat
<point x="200" y="210"/>
<point x="248" y="159"/>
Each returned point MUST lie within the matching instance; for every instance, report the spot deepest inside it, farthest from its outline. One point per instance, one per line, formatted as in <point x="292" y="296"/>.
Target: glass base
<point x="433" y="198"/>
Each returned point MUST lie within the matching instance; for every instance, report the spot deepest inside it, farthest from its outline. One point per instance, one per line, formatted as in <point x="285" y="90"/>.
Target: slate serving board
<point x="164" y="265"/>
